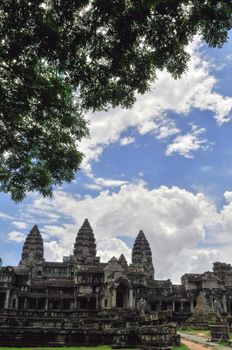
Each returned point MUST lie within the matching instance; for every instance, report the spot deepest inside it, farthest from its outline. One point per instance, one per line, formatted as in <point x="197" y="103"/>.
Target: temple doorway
<point x="2" y="300"/>
<point x="119" y="300"/>
<point x="121" y="296"/>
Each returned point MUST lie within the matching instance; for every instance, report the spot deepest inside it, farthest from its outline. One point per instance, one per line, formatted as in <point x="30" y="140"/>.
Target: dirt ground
<point x="202" y="335"/>
<point x="194" y="346"/>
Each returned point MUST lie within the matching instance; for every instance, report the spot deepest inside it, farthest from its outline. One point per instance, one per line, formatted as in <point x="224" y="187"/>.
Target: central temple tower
<point x="141" y="254"/>
<point x="85" y="245"/>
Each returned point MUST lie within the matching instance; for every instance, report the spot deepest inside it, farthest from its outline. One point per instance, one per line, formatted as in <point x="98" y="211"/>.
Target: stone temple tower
<point x="85" y="246"/>
<point x="33" y="249"/>
<point x="141" y="254"/>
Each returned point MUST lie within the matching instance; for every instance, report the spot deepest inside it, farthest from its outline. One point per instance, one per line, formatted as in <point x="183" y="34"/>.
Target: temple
<point x="85" y="301"/>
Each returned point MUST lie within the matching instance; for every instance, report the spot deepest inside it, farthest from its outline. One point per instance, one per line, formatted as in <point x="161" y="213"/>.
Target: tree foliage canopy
<point x="60" y="58"/>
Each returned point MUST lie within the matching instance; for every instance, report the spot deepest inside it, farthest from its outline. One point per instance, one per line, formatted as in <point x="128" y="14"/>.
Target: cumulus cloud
<point x="203" y="260"/>
<point x="162" y="127"/>
<point x="109" y="182"/>
<point x="189" y="143"/>
<point x="16" y="236"/>
<point x="181" y="226"/>
<point x="100" y="183"/>
<point x="113" y="247"/>
<point x="53" y="251"/>
<point x="126" y="140"/>
<point x="93" y="187"/>
<point x="226" y="213"/>
<point x="150" y="113"/>
<point x="20" y="224"/>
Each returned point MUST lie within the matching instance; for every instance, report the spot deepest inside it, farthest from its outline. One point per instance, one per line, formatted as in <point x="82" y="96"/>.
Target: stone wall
<point x="162" y="336"/>
<point x="117" y="328"/>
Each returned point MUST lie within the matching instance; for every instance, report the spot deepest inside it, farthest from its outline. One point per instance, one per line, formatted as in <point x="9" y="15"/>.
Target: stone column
<point x="181" y="306"/>
<point x="211" y="302"/>
<point x="17" y="302"/>
<point x="25" y="303"/>
<point x="173" y="306"/>
<point x="113" y="298"/>
<point x="131" y="299"/>
<point x="224" y="303"/>
<point x="7" y="299"/>
<point x="46" y="304"/>
<point x="191" y="306"/>
<point x="228" y="307"/>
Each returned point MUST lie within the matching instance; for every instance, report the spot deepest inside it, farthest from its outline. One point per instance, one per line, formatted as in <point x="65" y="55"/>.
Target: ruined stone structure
<point x="84" y="301"/>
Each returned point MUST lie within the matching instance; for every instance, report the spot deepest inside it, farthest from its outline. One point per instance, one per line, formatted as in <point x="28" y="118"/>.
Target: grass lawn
<point x="63" y="348"/>
<point x="181" y="347"/>
<point x="69" y="348"/>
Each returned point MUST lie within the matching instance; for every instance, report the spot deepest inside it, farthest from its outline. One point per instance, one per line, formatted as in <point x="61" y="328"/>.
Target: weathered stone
<point x="85" y="246"/>
<point x="33" y="249"/>
<point x="141" y="254"/>
<point x="84" y="301"/>
<point x="220" y="332"/>
<point x="203" y="313"/>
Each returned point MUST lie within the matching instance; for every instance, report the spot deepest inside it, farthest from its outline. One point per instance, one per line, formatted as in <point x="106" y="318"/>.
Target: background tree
<point x="60" y="58"/>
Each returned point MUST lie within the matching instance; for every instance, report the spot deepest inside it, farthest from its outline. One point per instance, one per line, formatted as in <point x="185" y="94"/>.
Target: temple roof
<point x="33" y="249"/>
<point x="85" y="245"/>
<point x="122" y="260"/>
<point x="141" y="236"/>
<point x="141" y="252"/>
<point x="141" y="247"/>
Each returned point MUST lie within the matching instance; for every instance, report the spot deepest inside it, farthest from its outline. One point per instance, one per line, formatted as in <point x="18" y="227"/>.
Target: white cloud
<point x="167" y="130"/>
<point x="163" y="127"/>
<point x="16" y="236"/>
<point x="113" y="247"/>
<point x="186" y="144"/>
<point x="206" y="168"/>
<point x="174" y="220"/>
<point x="93" y="187"/>
<point x="126" y="140"/>
<point x="109" y="182"/>
<point x="195" y="261"/>
<point x="54" y="252"/>
<point x="228" y="196"/>
<point x="19" y="224"/>
<point x="226" y="213"/>
<point x="101" y="183"/>
<point x="195" y="90"/>
<point x="5" y="216"/>
<point x="203" y="260"/>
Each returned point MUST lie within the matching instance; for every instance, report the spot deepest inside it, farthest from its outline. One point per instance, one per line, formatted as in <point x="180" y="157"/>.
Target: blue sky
<point x="164" y="166"/>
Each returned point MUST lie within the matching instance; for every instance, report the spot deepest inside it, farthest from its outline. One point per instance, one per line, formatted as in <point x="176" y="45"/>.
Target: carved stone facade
<point x="82" y="295"/>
